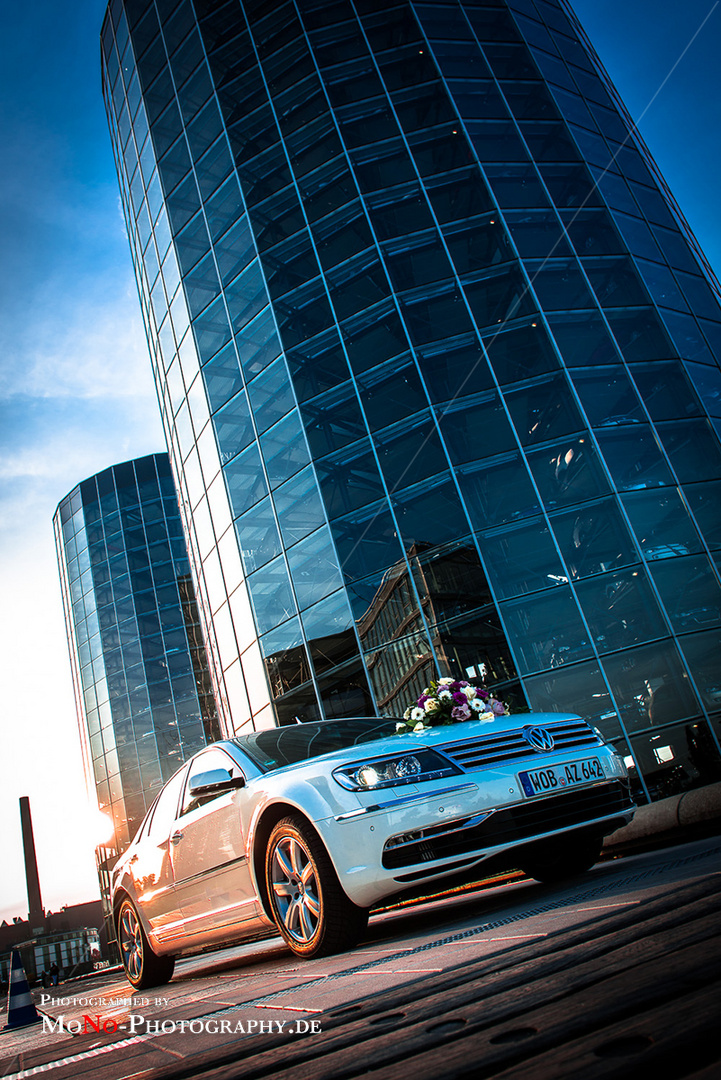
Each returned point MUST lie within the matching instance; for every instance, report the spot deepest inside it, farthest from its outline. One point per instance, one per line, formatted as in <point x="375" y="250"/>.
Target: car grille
<point x="501" y="747"/>
<point x="507" y="827"/>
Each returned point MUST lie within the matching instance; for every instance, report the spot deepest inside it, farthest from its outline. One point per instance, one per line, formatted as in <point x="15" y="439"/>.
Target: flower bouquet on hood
<point x="451" y="701"/>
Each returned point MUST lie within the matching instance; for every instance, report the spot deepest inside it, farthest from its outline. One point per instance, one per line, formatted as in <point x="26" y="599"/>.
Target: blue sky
<point x="76" y="393"/>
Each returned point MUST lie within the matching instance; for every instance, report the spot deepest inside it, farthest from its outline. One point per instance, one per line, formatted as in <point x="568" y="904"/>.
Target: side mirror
<point x="215" y="782"/>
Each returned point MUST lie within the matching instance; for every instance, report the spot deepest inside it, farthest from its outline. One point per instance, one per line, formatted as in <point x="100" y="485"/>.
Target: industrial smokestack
<point x="36" y="915"/>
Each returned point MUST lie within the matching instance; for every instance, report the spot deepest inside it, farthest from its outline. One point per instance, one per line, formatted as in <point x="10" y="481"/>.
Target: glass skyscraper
<point x="142" y="687"/>
<point x="438" y="363"/>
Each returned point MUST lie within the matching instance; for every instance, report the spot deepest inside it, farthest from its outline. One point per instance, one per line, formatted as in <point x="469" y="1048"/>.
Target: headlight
<point x="407" y="768"/>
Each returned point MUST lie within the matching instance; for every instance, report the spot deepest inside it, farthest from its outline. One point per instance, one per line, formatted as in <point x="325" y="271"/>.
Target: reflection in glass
<point x="546" y="630"/>
<point x="651" y="686"/>
<point x="620" y="610"/>
<point x="661" y="523"/>
<point x="593" y="539"/>
<point x="522" y="558"/>
<point x="633" y="457"/>
<point x="568" y="472"/>
<point x="690" y="592"/>
<point x="677" y="759"/>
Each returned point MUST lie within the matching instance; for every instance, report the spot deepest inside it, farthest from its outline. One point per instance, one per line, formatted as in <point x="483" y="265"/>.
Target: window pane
<point x="702" y="653"/>
<point x="650" y="686"/>
<point x="314" y="568"/>
<point x="221" y="376"/>
<point x="608" y="396"/>
<point x="454" y="368"/>
<point x="465" y="423"/>
<point x="245" y="481"/>
<point x="349" y="479"/>
<point x="498" y="297"/>
<point x="366" y="541"/>
<point x="661" y="523"/>
<point x="407" y="453"/>
<point x="333" y="420"/>
<point x="559" y="284"/>
<point x="543" y="410"/>
<point x="690" y="592"/>
<point x="620" y="610"/>
<point x="430" y="513"/>
<point x="583" y="339"/>
<point x="537" y="234"/>
<point x="578" y="689"/>
<point x="270" y="394"/>
<point x="317" y="365"/>
<point x="299" y="508"/>
<point x="677" y="759"/>
<point x="521" y="559"/>
<point x="497" y="491"/>
<point x="640" y="335"/>
<point x="705" y="502"/>
<point x="390" y="393"/>
<point x="233" y="427"/>
<point x="258" y="536"/>
<point x="271" y="595"/>
<point x="693" y="449"/>
<point x="593" y="539"/>
<point x="520" y="353"/>
<point x="633" y="457"/>
<point x="569" y="471"/>
<point x="546" y="630"/>
<point x="284" y="449"/>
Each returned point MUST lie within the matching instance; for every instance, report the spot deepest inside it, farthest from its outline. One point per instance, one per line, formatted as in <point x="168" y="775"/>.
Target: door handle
<point x="176" y="837"/>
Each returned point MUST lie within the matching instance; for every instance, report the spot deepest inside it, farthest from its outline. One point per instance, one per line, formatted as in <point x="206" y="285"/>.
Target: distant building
<point x="416" y="298"/>
<point x="141" y="678"/>
<point x="74" y="939"/>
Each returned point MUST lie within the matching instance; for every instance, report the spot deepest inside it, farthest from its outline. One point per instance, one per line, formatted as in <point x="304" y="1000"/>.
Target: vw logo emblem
<point x="539" y="738"/>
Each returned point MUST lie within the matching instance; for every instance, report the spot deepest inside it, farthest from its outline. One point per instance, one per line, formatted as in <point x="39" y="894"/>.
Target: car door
<point x="151" y="867"/>
<point x="212" y="879"/>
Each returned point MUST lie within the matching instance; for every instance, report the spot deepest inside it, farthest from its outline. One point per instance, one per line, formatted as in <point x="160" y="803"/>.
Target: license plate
<point x="557" y="777"/>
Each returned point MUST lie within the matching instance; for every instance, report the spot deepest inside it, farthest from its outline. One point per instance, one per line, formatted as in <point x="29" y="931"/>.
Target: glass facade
<point x="142" y="686"/>
<point x="438" y="362"/>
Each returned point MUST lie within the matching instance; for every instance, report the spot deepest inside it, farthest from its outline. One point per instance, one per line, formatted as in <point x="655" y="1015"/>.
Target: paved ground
<point x="510" y="978"/>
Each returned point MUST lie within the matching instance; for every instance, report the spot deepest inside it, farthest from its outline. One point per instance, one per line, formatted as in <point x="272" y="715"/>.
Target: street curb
<point x="690" y="810"/>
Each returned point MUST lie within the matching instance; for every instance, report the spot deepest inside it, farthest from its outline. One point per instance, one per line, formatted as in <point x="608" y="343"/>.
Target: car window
<point x="273" y="748"/>
<point x="166" y="808"/>
<point x="214" y="758"/>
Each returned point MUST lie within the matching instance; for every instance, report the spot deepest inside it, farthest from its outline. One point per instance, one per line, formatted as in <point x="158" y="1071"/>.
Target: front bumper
<point x="412" y="836"/>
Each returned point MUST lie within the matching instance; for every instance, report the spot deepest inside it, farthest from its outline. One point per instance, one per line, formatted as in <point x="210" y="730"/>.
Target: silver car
<point x="306" y="828"/>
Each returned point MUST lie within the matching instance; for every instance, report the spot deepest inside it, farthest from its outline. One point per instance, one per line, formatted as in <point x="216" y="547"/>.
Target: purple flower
<point x="461" y="712"/>
<point x="483" y="695"/>
<point x="422" y="700"/>
<point x="498" y="708"/>
<point x="460" y="698"/>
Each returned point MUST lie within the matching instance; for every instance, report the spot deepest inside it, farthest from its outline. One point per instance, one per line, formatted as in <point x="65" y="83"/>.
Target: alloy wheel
<point x="130" y="939"/>
<point x="295" y="886"/>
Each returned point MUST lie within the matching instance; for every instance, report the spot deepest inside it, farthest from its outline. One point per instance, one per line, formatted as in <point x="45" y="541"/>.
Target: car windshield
<point x="276" y="747"/>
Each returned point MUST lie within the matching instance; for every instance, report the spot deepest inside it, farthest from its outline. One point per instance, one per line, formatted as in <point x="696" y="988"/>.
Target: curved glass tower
<point x="140" y="672"/>
<point x="437" y="358"/>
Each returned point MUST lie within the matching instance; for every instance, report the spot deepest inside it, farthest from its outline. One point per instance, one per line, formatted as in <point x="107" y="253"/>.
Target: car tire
<point x="309" y="906"/>
<point x="561" y="857"/>
<point x="143" y="967"/>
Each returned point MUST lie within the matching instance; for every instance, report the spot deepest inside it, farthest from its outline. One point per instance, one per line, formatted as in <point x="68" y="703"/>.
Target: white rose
<point x="445" y="681"/>
<point x="401" y="727"/>
<point x="419" y="727"/>
<point x="431" y="705"/>
<point x="469" y="691"/>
